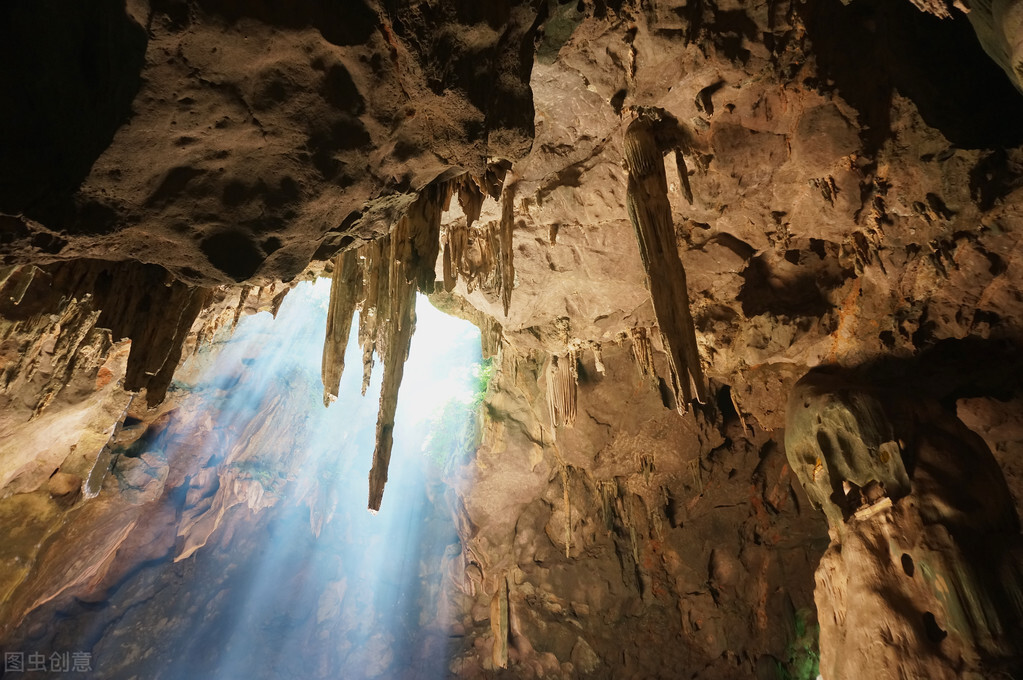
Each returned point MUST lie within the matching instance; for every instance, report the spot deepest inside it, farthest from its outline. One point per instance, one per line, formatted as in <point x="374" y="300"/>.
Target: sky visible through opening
<point x="334" y="587"/>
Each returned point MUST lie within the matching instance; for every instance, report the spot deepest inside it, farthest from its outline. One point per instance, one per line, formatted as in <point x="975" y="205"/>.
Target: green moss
<point x="562" y="20"/>
<point x="260" y="471"/>
<point x="802" y="656"/>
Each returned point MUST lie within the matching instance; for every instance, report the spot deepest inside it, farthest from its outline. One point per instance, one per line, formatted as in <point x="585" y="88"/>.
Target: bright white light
<point x="439" y="367"/>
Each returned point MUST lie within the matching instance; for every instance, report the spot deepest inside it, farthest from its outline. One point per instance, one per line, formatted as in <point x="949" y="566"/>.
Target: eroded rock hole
<point x="907" y="565"/>
<point x="233" y="253"/>
<point x="934" y="632"/>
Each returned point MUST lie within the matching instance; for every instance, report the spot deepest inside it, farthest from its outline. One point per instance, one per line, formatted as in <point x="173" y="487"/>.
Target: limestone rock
<point x="917" y="579"/>
<point x="65" y="488"/>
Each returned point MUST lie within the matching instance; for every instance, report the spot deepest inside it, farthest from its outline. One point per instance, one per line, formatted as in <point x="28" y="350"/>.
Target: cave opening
<point x="281" y="571"/>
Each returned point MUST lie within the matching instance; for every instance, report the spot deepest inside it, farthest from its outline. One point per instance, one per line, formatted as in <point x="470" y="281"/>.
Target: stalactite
<point x="345" y="290"/>
<point x="470" y="199"/>
<point x="642" y="351"/>
<point x="562" y="381"/>
<point x="373" y="273"/>
<point x="683" y="175"/>
<point x="399" y="325"/>
<point x="241" y="305"/>
<point x="598" y="359"/>
<point x="568" y="512"/>
<point x="278" y="300"/>
<point x="469" y="254"/>
<point x="499" y="623"/>
<point x="382" y="279"/>
<point x="607" y="490"/>
<point x="482" y="256"/>
<point x="454" y="244"/>
<point x="52" y="334"/>
<point x="506" y="257"/>
<point x="104" y="461"/>
<point x="650" y="214"/>
<point x="421" y="244"/>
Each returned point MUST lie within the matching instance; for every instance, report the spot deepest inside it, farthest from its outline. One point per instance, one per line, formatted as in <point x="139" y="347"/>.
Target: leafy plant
<point x="456" y="427"/>
<point x="802" y="656"/>
<point x="260" y="471"/>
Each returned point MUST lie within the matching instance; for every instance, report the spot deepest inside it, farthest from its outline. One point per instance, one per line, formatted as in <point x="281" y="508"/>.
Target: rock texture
<point x="646" y="140"/>
<point x="170" y="165"/>
<point x="262" y="128"/>
<point x="922" y="576"/>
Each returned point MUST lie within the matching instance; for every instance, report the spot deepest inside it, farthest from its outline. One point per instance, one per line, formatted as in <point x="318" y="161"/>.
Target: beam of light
<point x="340" y="593"/>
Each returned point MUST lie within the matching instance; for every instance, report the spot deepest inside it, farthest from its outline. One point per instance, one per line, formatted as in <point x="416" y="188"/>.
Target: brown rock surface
<point x="922" y="575"/>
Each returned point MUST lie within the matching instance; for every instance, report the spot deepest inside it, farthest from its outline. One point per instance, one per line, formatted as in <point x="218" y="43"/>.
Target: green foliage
<point x="562" y="20"/>
<point x="262" y="472"/>
<point x="481" y="373"/>
<point x="802" y="660"/>
<point x="456" y="427"/>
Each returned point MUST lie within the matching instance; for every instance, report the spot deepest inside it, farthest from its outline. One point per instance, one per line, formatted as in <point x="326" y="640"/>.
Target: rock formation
<point x="922" y="575"/>
<point x="650" y="214"/>
<point x="842" y="189"/>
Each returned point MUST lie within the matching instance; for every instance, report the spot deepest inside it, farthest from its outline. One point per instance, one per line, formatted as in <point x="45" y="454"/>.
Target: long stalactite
<point x="650" y="213"/>
<point x="345" y="288"/>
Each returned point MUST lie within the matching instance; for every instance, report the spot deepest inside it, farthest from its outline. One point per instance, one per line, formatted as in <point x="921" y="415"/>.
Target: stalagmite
<point x="345" y="290"/>
<point x="925" y="546"/>
<point x="650" y="213"/>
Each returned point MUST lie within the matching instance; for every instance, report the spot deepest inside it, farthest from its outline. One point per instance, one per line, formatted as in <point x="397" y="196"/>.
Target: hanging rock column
<point x="922" y="578"/>
<point x="380" y="281"/>
<point x="646" y="140"/>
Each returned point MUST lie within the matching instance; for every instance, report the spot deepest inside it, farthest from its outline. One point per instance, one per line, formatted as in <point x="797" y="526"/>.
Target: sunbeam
<point x="333" y="587"/>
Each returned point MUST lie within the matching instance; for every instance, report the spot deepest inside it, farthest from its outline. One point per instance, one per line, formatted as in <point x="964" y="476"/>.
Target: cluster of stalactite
<point x="65" y="316"/>
<point x="227" y="306"/>
<point x="44" y="356"/>
<point x="380" y="280"/>
<point x="482" y="255"/>
<point x="642" y="350"/>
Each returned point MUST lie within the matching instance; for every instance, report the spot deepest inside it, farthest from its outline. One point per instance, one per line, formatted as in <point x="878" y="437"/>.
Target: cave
<point x="733" y="338"/>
